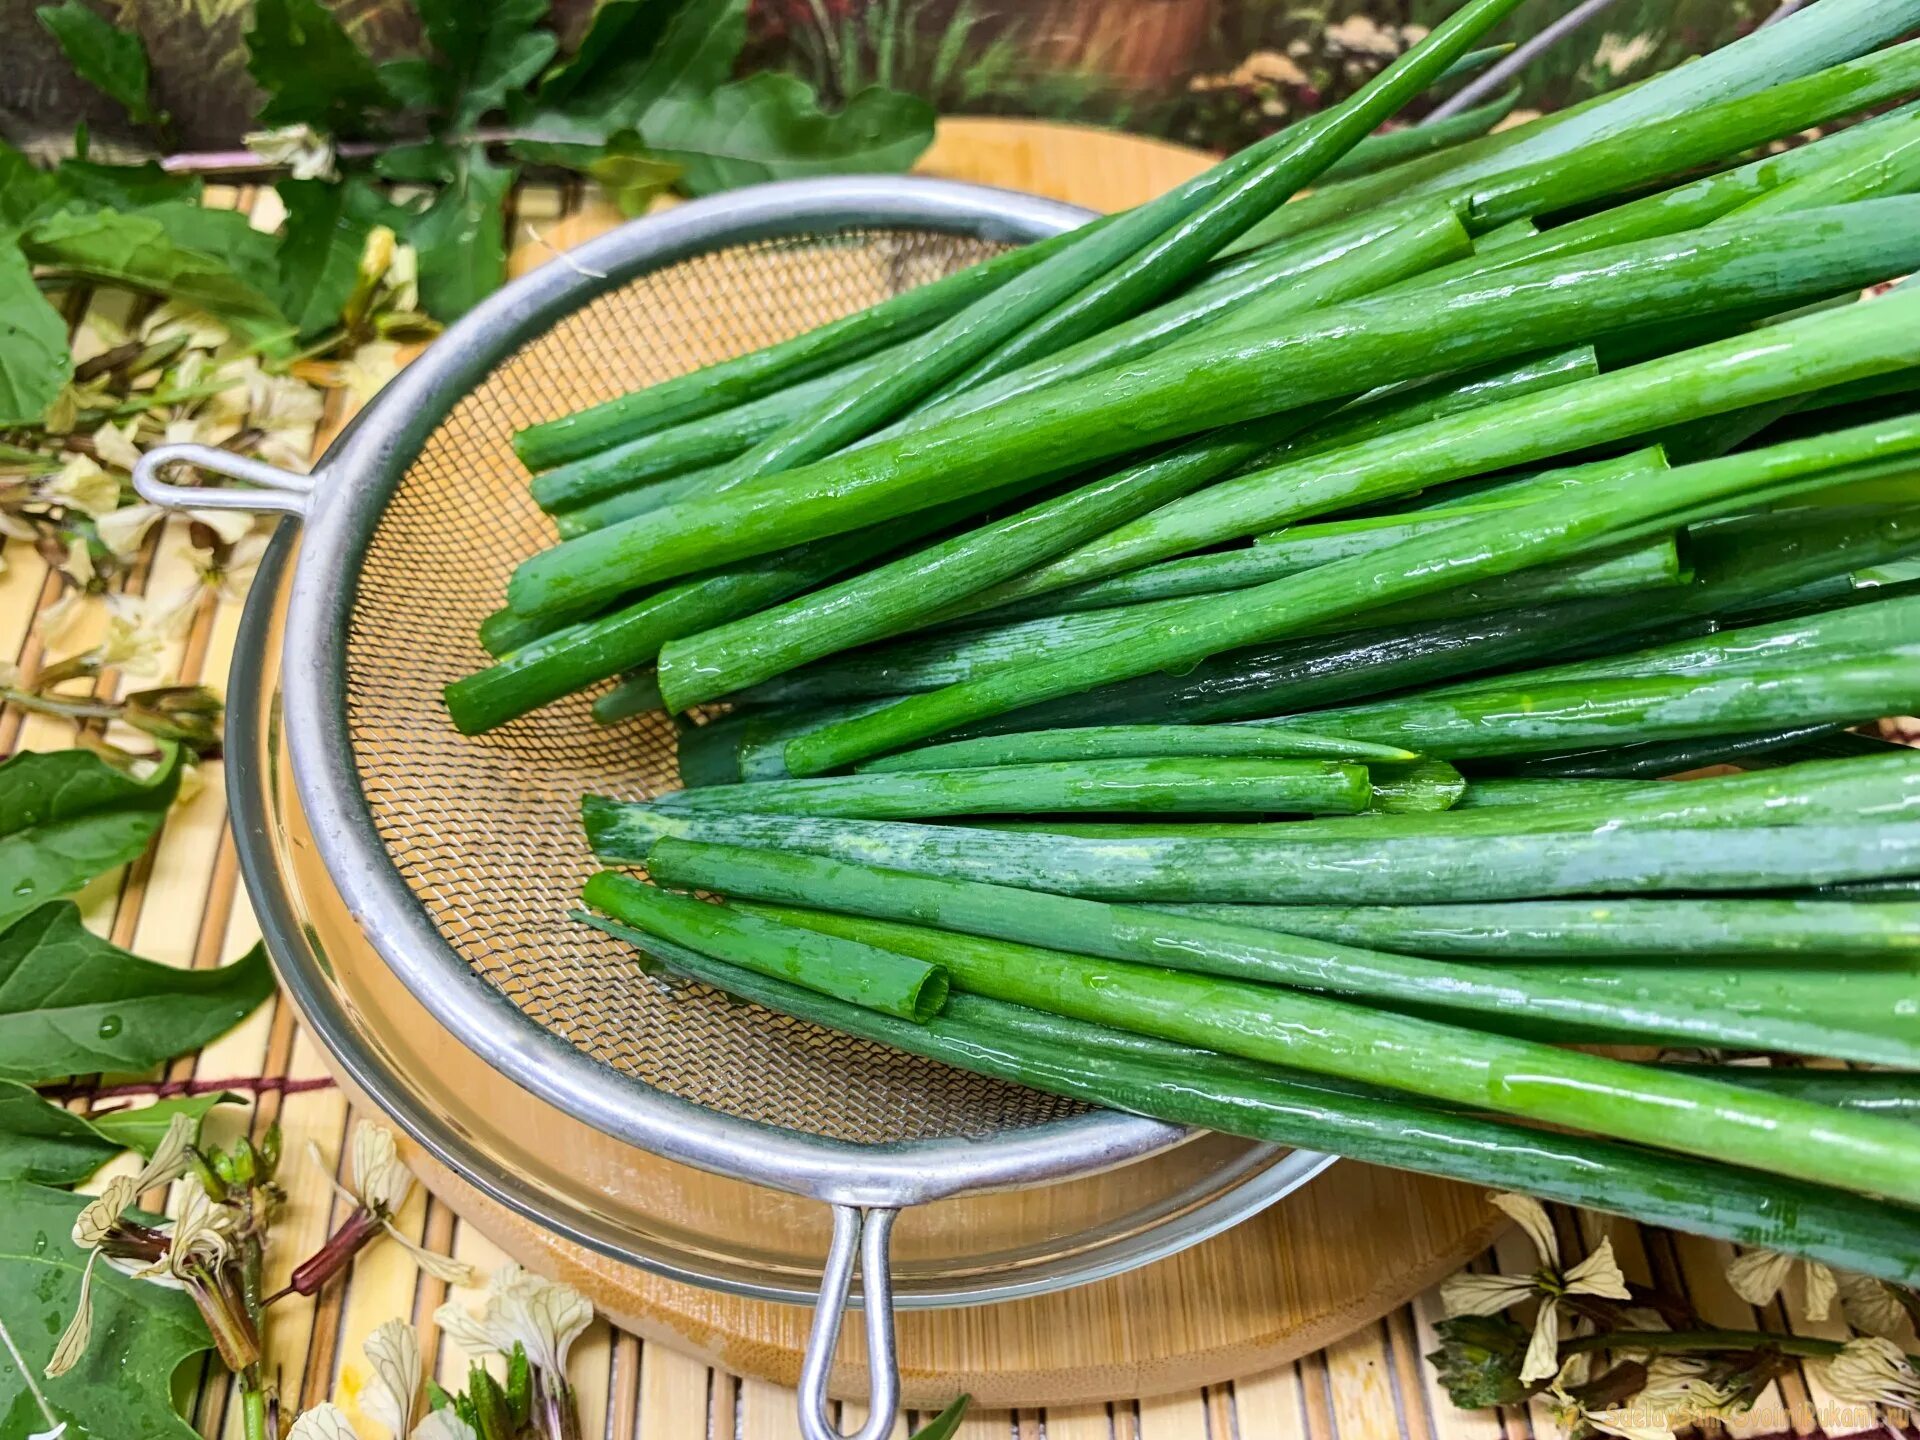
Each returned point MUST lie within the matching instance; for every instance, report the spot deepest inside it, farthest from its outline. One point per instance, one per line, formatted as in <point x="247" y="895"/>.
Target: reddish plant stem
<point x="362" y="1227"/>
<point x="171" y="1089"/>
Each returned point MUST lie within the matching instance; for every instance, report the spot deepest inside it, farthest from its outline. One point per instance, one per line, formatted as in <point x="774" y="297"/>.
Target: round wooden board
<point x="1338" y="1254"/>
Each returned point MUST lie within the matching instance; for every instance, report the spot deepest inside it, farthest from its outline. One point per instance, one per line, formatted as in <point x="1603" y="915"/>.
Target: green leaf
<point x="42" y="1142"/>
<point x="946" y="1422"/>
<point x="491" y="49"/>
<point x="771" y="127"/>
<point x="108" y="58"/>
<point x="138" y="250"/>
<point x="68" y="816"/>
<point x="635" y="55"/>
<point x="72" y="1004"/>
<point x="121" y="187"/>
<point x="223" y="235"/>
<point x="28" y="193"/>
<point x="310" y="68"/>
<point x="319" y="253"/>
<point x="34" y="360"/>
<point x="428" y="163"/>
<point x="142" y="1333"/>
<point x="622" y="167"/>
<point x="143" y="1127"/>
<point x="461" y="237"/>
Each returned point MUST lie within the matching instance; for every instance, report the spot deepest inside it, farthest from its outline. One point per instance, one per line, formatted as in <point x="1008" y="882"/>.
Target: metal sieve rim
<point x="360" y="478"/>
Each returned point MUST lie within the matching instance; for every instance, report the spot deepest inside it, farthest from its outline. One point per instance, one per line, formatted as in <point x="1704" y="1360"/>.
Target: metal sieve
<point x="459" y="856"/>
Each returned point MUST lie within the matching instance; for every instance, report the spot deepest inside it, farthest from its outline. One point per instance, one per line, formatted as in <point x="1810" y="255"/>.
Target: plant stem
<point x="253" y="1411"/>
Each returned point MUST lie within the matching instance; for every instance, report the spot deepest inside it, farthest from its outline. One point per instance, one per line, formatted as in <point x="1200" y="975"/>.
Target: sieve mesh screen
<point x="485" y="830"/>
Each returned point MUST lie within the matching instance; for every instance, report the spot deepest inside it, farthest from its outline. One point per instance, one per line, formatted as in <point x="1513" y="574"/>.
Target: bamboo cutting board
<point x="1336" y="1255"/>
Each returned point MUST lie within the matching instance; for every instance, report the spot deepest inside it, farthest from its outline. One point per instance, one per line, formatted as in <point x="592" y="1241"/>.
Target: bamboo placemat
<point x="182" y="904"/>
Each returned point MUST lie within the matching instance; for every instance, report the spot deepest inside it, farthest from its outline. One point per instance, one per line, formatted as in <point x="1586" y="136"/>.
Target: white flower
<point x="542" y="1316"/>
<point x="394" y="1398"/>
<point x="91" y="1227"/>
<point x="125" y="530"/>
<point x="300" y="148"/>
<point x="115" y="445"/>
<point x="323" y="1422"/>
<point x="203" y="332"/>
<point x="1357" y="35"/>
<point x="381" y="1185"/>
<point x="1872" y="1371"/>
<point x="1758" y="1276"/>
<point x="442" y="1425"/>
<point x="140" y="627"/>
<point x="82" y="485"/>
<point x="1598" y="1274"/>
<point x="403" y="278"/>
<point x="280" y="402"/>
<point x="369" y="368"/>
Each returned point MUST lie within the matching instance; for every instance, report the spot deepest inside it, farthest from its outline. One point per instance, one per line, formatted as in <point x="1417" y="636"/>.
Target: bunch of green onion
<point x="1225" y="662"/>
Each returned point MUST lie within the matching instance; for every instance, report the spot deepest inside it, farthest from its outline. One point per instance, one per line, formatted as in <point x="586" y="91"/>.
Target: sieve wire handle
<point x="282" y="492"/>
<point x="865" y="1236"/>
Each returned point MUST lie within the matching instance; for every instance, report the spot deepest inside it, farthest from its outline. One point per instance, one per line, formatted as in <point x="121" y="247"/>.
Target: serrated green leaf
<point x="121" y="187"/>
<point x="72" y="1004"/>
<point x="310" y="68"/>
<point x="223" y="235"/>
<point x="319" y="252"/>
<point x="27" y="193"/>
<point x="34" y="360"/>
<point x="490" y="48"/>
<point x="42" y="1142"/>
<point x="461" y="237"/>
<point x="770" y="127"/>
<point x="622" y="167"/>
<point x="427" y="163"/>
<point x="142" y="1334"/>
<point x="67" y="816"/>
<point x="137" y="250"/>
<point x="112" y="60"/>
<point x="635" y="55"/>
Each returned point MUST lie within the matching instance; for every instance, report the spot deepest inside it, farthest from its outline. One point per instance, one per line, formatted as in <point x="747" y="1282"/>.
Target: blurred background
<point x="1214" y="73"/>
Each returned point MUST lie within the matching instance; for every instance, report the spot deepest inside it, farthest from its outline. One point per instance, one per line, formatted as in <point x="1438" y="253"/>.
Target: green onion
<point x="1113" y="742"/>
<point x="1193" y="1087"/>
<point x="1205" y="382"/>
<point x="1704" y="929"/>
<point x="882" y="980"/>
<point x="636" y="695"/>
<point x="1201" y="785"/>
<point x="1666" y="1109"/>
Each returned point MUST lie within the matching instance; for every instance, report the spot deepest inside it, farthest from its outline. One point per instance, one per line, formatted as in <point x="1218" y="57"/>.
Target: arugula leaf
<point x="40" y="1141"/>
<point x="72" y="1004"/>
<point x="319" y="252"/>
<point x="310" y="68"/>
<point x="946" y="1422"/>
<point x="27" y="193"/>
<point x="34" y="360"/>
<point x="770" y="127"/>
<point x="636" y="54"/>
<point x="429" y="162"/>
<point x="461" y="236"/>
<point x="144" y="1127"/>
<point x="108" y="58"/>
<point x="136" y="249"/>
<point x="50" y="1145"/>
<point x="491" y="48"/>
<point x="224" y="235"/>
<point x="623" y="167"/>
<point x="144" y="1333"/>
<point x="68" y="816"/>
<point x="121" y="187"/>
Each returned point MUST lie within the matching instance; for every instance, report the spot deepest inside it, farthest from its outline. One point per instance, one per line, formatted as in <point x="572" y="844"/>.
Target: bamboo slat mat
<point x="182" y="904"/>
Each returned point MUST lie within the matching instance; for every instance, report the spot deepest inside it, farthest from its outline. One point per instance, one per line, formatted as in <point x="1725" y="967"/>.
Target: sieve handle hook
<point x="280" y="492"/>
<point x="864" y="1236"/>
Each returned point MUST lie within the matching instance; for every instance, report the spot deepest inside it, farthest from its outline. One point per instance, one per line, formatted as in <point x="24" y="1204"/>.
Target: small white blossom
<point x="393" y="1399"/>
<point x="1599" y="1274"/>
<point x="140" y="627"/>
<point x="1759" y="1276"/>
<point x="114" y="444"/>
<point x="173" y="319"/>
<point x="369" y="368"/>
<point x="381" y="1185"/>
<point x="82" y="485"/>
<point x="541" y="1316"/>
<point x="300" y="148"/>
<point x="443" y="1425"/>
<point x="323" y="1422"/>
<point x="1873" y="1371"/>
<point x="1617" y="54"/>
<point x="125" y="530"/>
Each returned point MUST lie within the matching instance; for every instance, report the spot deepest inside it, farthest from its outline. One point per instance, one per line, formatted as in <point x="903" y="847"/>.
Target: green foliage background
<point x="1164" y="67"/>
